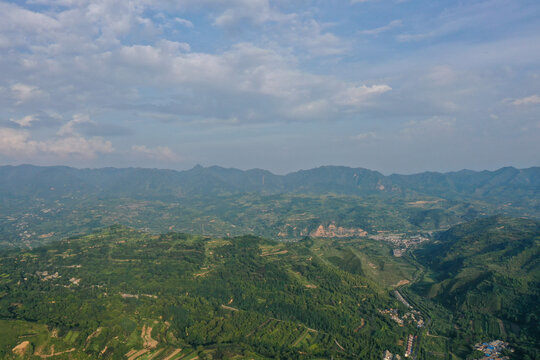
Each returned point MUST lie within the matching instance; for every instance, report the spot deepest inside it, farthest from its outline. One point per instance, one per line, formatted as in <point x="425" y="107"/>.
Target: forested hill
<point x="489" y="266"/>
<point x="506" y="184"/>
<point x="509" y="246"/>
<point x="120" y="293"/>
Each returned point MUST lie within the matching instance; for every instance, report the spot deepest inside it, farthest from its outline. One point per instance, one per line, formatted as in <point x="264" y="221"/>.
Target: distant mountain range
<point x="40" y="204"/>
<point x="504" y="185"/>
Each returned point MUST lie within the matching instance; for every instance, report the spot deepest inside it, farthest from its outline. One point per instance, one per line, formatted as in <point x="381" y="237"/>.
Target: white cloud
<point x="376" y="31"/>
<point x="68" y="129"/>
<point x="18" y="143"/>
<point x="87" y="61"/>
<point x="255" y="11"/>
<point x="68" y="142"/>
<point x="162" y="153"/>
<point x="313" y="36"/>
<point x="173" y="47"/>
<point x="441" y="75"/>
<point x="326" y="44"/>
<point x="25" y="121"/>
<point x="14" y="16"/>
<point x="529" y="100"/>
<point x="23" y="93"/>
<point x="77" y="145"/>
<point x="184" y="22"/>
<point x="137" y="63"/>
<point x="357" y="95"/>
<point x="245" y="70"/>
<point x="311" y="109"/>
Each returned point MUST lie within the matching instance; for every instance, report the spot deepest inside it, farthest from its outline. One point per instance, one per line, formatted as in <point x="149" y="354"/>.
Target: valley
<point x="269" y="179"/>
<point x="252" y="275"/>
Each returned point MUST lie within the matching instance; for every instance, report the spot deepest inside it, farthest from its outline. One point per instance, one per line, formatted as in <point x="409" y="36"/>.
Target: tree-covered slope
<point x="118" y="293"/>
<point x="489" y="266"/>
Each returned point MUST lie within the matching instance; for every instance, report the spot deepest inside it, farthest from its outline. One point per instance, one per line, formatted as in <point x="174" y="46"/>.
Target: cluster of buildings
<point x="493" y="350"/>
<point x="334" y="231"/>
<point x="400" y="241"/>
<point x="394" y="315"/>
<point x="410" y="345"/>
<point x="387" y="355"/>
<point x="413" y="316"/>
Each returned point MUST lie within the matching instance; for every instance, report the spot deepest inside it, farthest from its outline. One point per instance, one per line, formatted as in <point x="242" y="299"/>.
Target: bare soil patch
<point x="92" y="335"/>
<point x="402" y="282"/>
<point x="420" y="203"/>
<point x="202" y="274"/>
<point x="21" y="348"/>
<point x="279" y="252"/>
<point x="146" y="336"/>
<point x="52" y="354"/>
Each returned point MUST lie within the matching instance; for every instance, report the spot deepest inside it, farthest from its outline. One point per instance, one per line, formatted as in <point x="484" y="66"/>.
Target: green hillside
<point x="488" y="270"/>
<point x="358" y="262"/>
<point x="124" y="294"/>
<point x="120" y="291"/>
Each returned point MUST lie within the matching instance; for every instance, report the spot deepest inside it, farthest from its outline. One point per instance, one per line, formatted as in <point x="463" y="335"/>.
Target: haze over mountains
<point x="225" y="202"/>
<point x="111" y="256"/>
<point x="506" y="184"/>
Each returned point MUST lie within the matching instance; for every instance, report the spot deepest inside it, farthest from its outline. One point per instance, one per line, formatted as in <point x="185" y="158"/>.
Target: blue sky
<point x="392" y="85"/>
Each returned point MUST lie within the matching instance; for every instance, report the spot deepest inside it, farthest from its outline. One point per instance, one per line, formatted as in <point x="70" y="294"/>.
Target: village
<point x="411" y="340"/>
<point x="400" y="241"/>
<point x="493" y="350"/>
<point x="411" y="317"/>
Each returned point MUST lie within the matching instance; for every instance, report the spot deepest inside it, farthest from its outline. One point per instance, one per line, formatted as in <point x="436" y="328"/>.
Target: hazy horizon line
<point x="270" y="171"/>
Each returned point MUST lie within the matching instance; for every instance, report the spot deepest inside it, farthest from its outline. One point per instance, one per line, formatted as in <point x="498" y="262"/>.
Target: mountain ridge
<point x="220" y="201"/>
<point x="324" y="179"/>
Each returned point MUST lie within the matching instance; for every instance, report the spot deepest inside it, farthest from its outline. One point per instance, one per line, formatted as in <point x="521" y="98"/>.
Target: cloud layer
<point x="234" y="82"/>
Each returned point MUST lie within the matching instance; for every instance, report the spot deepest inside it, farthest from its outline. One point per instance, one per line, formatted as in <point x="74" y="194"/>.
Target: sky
<point x="398" y="86"/>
